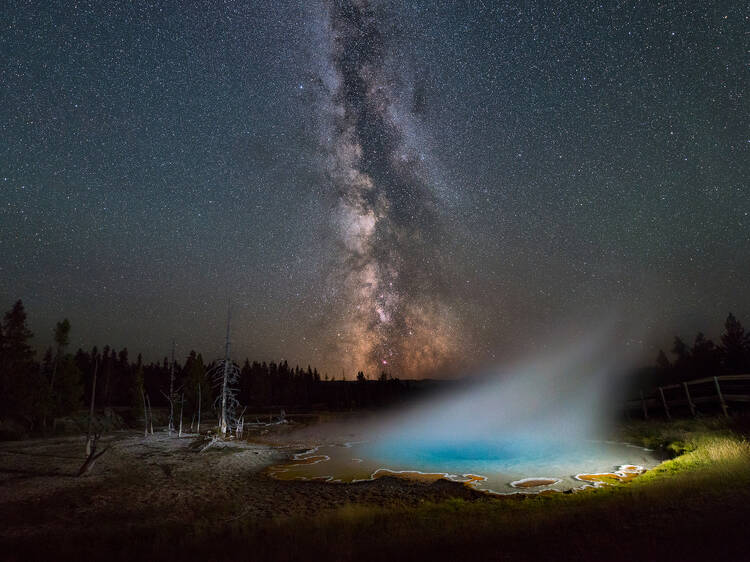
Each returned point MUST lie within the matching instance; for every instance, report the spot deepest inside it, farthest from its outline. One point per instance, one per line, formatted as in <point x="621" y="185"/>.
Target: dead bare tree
<point x="62" y="338"/>
<point x="88" y="464"/>
<point x="145" y="414"/>
<point x="226" y="376"/>
<point x="171" y="396"/>
<point x="150" y="414"/>
<point x="91" y="411"/>
<point x="199" y="407"/>
<point x="182" y="407"/>
<point x="212" y="441"/>
<point x="240" y="425"/>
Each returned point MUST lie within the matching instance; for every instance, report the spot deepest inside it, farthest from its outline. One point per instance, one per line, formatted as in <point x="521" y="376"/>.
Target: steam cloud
<point x="557" y="401"/>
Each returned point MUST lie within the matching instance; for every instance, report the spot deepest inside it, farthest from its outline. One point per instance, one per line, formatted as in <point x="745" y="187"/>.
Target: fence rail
<point x="691" y="394"/>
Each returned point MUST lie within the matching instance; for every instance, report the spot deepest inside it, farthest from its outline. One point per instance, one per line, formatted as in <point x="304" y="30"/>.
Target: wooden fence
<point x="694" y="396"/>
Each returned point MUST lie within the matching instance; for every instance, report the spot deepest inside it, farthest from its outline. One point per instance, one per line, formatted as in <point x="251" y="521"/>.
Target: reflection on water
<point x="499" y="467"/>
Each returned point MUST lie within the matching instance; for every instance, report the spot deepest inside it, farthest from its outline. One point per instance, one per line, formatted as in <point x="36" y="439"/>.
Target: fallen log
<point x="211" y="443"/>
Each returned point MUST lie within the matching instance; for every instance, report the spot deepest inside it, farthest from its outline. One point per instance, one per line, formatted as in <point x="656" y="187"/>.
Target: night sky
<point x="412" y="186"/>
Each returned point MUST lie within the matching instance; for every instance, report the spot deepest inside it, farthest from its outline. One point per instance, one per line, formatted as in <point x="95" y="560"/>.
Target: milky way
<point x="395" y="313"/>
<point x="437" y="185"/>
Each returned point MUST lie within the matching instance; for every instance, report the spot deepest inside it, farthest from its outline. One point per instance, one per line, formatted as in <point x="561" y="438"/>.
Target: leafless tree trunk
<point x="88" y="464"/>
<point x="91" y="411"/>
<point x="241" y="424"/>
<point x="145" y="414"/>
<point x="224" y="386"/>
<point x="182" y="407"/>
<point x="170" y="420"/>
<point x="150" y="414"/>
<point x="199" y="408"/>
<point x="171" y="394"/>
<point x="52" y="390"/>
<point x="223" y="420"/>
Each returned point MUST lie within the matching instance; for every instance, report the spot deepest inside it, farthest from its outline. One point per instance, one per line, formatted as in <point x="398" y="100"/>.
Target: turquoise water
<point x="498" y="463"/>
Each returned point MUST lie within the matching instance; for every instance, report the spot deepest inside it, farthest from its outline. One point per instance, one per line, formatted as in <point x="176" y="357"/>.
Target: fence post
<point x="721" y="397"/>
<point x="644" y="407"/>
<point x="689" y="400"/>
<point x="664" y="401"/>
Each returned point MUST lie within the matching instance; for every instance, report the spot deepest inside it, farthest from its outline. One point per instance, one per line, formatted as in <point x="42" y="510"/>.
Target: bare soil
<point x="159" y="480"/>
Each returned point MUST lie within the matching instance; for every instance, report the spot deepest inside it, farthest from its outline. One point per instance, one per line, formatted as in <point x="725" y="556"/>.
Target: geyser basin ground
<point x="497" y="467"/>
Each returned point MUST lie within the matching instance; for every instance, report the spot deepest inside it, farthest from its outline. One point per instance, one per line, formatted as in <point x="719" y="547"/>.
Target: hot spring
<point x="495" y="468"/>
<point x="544" y="424"/>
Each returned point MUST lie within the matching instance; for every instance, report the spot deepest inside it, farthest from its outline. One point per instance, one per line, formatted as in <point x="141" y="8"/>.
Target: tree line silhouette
<point x="702" y="358"/>
<point x="39" y="392"/>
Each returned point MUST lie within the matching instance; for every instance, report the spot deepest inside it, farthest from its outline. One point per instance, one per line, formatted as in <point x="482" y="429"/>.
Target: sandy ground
<point x="149" y="481"/>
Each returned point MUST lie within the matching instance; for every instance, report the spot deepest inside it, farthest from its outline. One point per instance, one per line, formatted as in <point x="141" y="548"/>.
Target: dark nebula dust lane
<point x="396" y="315"/>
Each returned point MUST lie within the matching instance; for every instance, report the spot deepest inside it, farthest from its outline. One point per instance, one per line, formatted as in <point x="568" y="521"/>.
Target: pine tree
<point x="195" y="376"/>
<point x="735" y="346"/>
<point x="681" y="350"/>
<point x="123" y="379"/>
<point x="138" y="389"/>
<point x="62" y="339"/>
<point x="68" y="395"/>
<point x="22" y="389"/>
<point x="662" y="361"/>
<point x="106" y="370"/>
<point x="705" y="357"/>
